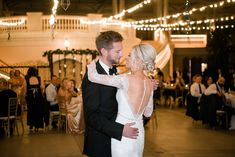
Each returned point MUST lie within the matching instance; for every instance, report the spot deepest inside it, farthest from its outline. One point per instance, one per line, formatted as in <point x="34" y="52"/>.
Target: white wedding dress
<point x="127" y="112"/>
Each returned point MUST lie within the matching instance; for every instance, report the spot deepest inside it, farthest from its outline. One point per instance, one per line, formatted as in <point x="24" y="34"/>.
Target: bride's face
<point x="133" y="63"/>
<point x="129" y="61"/>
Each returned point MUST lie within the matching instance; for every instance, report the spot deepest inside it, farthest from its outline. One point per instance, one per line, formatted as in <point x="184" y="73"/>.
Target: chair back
<point x="12" y="106"/>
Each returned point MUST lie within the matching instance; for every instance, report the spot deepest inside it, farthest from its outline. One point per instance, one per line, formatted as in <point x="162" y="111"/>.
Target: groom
<point x="100" y="104"/>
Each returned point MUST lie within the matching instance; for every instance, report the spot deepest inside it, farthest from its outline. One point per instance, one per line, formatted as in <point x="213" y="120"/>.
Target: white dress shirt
<point x="195" y="91"/>
<point x="51" y="94"/>
<point x="212" y="89"/>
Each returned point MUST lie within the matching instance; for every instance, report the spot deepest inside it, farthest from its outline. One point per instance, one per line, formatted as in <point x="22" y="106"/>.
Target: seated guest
<point x="203" y="102"/>
<point x="51" y="97"/>
<point x="71" y="103"/>
<point x="11" y="81"/>
<point x="157" y="95"/>
<point x="16" y="84"/>
<point x="215" y="99"/>
<point x="179" y="83"/>
<point x="196" y="91"/>
<point x="160" y="74"/>
<point x="217" y="88"/>
<point x="179" y="89"/>
<point x="64" y="95"/>
<point x="229" y="107"/>
<point x="5" y="94"/>
<point x="208" y="81"/>
<point x="169" y="80"/>
<point x="75" y="110"/>
<point x="177" y="73"/>
<point x="197" y="88"/>
<point x="19" y="87"/>
<point x="232" y="86"/>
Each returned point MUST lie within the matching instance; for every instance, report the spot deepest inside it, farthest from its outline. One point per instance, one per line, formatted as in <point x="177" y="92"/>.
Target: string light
<point x="190" y="23"/>
<point x="20" y="22"/>
<point x="52" y="20"/>
<point x="106" y="21"/>
<point x="174" y="16"/>
<point x="186" y="28"/>
<point x="139" y="24"/>
<point x="130" y="10"/>
<point x="121" y="14"/>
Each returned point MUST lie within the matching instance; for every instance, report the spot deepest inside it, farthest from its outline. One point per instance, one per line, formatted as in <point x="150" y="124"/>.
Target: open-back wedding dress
<point x="132" y="104"/>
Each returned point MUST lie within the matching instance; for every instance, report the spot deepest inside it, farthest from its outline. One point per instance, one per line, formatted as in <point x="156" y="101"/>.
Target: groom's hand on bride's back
<point x="129" y="131"/>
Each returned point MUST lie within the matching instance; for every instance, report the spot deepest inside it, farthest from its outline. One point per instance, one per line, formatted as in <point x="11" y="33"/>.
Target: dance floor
<point x="169" y="134"/>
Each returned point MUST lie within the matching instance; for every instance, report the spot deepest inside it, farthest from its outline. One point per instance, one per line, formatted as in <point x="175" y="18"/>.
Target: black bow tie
<point x="113" y="70"/>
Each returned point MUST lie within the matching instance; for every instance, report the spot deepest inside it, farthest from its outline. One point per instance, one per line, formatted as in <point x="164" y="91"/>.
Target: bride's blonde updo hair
<point x="147" y="54"/>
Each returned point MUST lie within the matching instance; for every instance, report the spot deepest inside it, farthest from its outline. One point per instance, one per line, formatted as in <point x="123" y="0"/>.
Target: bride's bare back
<point x="139" y="92"/>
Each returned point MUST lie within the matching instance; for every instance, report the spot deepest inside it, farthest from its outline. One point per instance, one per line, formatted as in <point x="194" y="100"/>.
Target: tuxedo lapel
<point x="100" y="69"/>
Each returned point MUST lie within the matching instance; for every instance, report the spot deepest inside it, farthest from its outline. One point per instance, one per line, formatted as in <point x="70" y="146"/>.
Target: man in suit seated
<point x="215" y="99"/>
<point x="5" y="94"/>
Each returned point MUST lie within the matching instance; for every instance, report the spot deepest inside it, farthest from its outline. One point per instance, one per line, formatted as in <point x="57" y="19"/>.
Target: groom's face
<point x="114" y="54"/>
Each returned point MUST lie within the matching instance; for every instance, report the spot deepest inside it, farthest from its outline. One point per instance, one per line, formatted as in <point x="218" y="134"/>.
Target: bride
<point x="134" y="96"/>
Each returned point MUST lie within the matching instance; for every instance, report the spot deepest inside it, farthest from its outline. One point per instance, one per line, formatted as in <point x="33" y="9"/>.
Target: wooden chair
<point x="11" y="116"/>
<point x="60" y="117"/>
<point x="20" y="118"/>
<point x="220" y="115"/>
<point x="154" y="119"/>
<point x="63" y="121"/>
<point x="54" y="116"/>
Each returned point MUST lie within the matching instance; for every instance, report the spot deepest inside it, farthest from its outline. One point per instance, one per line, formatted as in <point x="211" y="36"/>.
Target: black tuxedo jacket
<point x="100" y="111"/>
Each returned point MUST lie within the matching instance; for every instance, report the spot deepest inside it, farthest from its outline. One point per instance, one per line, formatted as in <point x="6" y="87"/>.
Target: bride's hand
<point x="91" y="66"/>
<point x="155" y="84"/>
<point x="92" y="63"/>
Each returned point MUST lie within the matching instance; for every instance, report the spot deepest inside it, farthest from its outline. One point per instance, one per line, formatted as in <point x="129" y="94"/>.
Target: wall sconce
<point x="66" y="43"/>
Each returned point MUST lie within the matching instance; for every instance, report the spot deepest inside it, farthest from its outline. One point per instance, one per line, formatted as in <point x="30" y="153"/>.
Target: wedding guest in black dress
<point x="34" y="98"/>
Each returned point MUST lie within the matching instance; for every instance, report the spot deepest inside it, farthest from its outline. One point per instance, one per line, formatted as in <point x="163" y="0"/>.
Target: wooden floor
<point x="170" y="134"/>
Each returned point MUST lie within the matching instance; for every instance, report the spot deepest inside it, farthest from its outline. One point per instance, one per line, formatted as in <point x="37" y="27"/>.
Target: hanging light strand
<point x="22" y="21"/>
<point x="52" y="20"/>
<point x="190" y="12"/>
<point x="181" y="23"/>
<point x="130" y="10"/>
<point x="186" y="28"/>
<point x="111" y="20"/>
<point x="191" y="23"/>
<point x="19" y="22"/>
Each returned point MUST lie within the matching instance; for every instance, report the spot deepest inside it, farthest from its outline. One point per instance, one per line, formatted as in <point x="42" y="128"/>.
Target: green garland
<point x="49" y="54"/>
<point x="73" y="51"/>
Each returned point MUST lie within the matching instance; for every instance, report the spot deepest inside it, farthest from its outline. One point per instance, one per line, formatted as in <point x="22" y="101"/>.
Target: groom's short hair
<point x="106" y="39"/>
